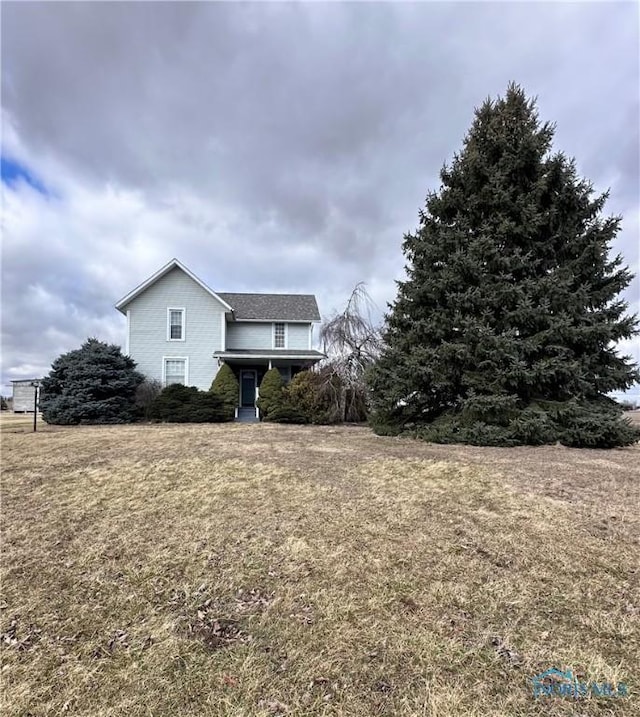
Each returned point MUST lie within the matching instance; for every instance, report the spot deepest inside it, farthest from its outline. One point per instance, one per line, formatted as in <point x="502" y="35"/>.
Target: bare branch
<point x="352" y="342"/>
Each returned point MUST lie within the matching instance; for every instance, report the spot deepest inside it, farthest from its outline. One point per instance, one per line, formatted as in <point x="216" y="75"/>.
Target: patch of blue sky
<point x="13" y="172"/>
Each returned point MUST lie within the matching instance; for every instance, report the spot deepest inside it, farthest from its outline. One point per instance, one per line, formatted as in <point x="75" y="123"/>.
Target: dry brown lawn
<point x="271" y="570"/>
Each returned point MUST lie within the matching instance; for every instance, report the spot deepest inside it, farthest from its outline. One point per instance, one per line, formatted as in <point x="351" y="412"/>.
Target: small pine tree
<point x="93" y="384"/>
<point x="225" y="385"/>
<point x="272" y="394"/>
<point x="504" y="331"/>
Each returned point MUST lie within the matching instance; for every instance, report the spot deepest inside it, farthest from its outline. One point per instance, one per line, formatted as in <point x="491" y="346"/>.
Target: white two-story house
<point x="181" y="331"/>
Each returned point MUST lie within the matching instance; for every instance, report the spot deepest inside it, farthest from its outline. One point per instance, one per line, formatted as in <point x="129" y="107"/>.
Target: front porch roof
<point x="270" y="354"/>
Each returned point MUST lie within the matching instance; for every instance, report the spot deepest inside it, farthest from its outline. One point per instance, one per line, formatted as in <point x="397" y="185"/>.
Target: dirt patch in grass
<point x="264" y="570"/>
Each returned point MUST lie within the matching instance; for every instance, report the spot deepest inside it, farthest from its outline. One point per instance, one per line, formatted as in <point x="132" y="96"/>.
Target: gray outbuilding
<point x="23" y="394"/>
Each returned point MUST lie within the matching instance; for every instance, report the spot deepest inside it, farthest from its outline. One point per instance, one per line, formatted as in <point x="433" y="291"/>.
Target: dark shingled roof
<point x="273" y="307"/>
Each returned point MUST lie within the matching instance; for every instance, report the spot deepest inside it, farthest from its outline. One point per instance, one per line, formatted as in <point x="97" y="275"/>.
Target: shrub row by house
<point x="186" y="404"/>
<point x="97" y="384"/>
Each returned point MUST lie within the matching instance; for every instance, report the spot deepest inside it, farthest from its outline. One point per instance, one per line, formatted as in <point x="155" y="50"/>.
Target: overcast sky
<point x="271" y="147"/>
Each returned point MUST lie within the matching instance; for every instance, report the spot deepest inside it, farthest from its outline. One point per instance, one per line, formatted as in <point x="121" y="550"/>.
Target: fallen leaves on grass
<point x="217" y="633"/>
<point x="274" y="707"/>
<point x="28" y="636"/>
<point x="506" y="652"/>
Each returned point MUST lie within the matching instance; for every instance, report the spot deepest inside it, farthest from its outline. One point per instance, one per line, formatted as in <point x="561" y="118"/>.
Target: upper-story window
<point x="279" y="336"/>
<point x="175" y="324"/>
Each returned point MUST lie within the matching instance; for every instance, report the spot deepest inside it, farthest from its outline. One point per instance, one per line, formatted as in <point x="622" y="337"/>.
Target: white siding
<point x="298" y="336"/>
<point x="249" y="335"/>
<point x="259" y="335"/>
<point x="148" y="344"/>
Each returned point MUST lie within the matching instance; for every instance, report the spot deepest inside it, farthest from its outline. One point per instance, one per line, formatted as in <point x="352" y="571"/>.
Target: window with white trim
<point x="279" y="336"/>
<point x="175" y="324"/>
<point x="175" y="371"/>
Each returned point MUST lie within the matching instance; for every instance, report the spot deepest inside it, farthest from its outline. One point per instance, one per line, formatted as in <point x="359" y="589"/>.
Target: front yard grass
<point x="274" y="570"/>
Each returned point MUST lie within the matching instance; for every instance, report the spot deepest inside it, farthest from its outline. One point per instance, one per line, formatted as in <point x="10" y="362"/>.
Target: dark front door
<point x="248" y="388"/>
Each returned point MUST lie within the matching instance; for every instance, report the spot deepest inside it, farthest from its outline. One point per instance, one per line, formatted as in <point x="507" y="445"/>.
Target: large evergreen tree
<point x="93" y="384"/>
<point x="504" y="331"/>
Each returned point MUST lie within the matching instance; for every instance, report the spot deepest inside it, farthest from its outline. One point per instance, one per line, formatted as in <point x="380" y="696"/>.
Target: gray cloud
<point x="272" y="146"/>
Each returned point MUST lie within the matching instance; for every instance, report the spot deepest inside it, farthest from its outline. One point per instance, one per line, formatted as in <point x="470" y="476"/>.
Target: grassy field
<point x="272" y="570"/>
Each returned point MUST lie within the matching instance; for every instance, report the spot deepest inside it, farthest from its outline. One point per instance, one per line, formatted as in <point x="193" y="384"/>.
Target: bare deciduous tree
<point x="352" y="342"/>
<point x="146" y="393"/>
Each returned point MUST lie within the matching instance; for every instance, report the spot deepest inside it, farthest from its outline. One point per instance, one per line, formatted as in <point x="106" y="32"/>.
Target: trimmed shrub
<point x="186" y="404"/>
<point x="272" y="393"/>
<point x="303" y="394"/>
<point x="317" y="396"/>
<point x="96" y="383"/>
<point x="225" y="385"/>
<point x="286" y="414"/>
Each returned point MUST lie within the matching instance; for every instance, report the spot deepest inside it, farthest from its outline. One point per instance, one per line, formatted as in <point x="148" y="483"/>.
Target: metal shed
<point x="23" y="394"/>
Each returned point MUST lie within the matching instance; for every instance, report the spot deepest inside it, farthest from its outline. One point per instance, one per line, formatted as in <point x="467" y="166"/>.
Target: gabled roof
<point x="245" y="307"/>
<point x="273" y="307"/>
<point x="173" y="264"/>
